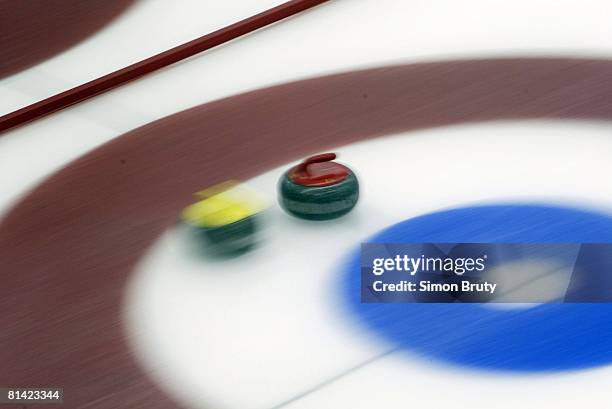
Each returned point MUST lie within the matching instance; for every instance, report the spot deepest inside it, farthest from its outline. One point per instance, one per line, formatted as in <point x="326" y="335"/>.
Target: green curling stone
<point x="233" y="238"/>
<point x="227" y="218"/>
<point x="318" y="189"/>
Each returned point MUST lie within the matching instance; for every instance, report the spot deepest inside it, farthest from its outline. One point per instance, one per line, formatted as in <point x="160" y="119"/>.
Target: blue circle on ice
<point x="547" y="337"/>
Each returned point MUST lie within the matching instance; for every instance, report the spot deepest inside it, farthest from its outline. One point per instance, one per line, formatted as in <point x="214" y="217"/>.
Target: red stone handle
<point x="323" y="157"/>
<point x="333" y="174"/>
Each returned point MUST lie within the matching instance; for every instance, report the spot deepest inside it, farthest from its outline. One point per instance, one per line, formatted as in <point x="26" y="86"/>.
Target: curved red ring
<point x="67" y="248"/>
<point x="35" y="31"/>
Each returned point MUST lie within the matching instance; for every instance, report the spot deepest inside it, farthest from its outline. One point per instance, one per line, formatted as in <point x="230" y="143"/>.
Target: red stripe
<point x="139" y="69"/>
